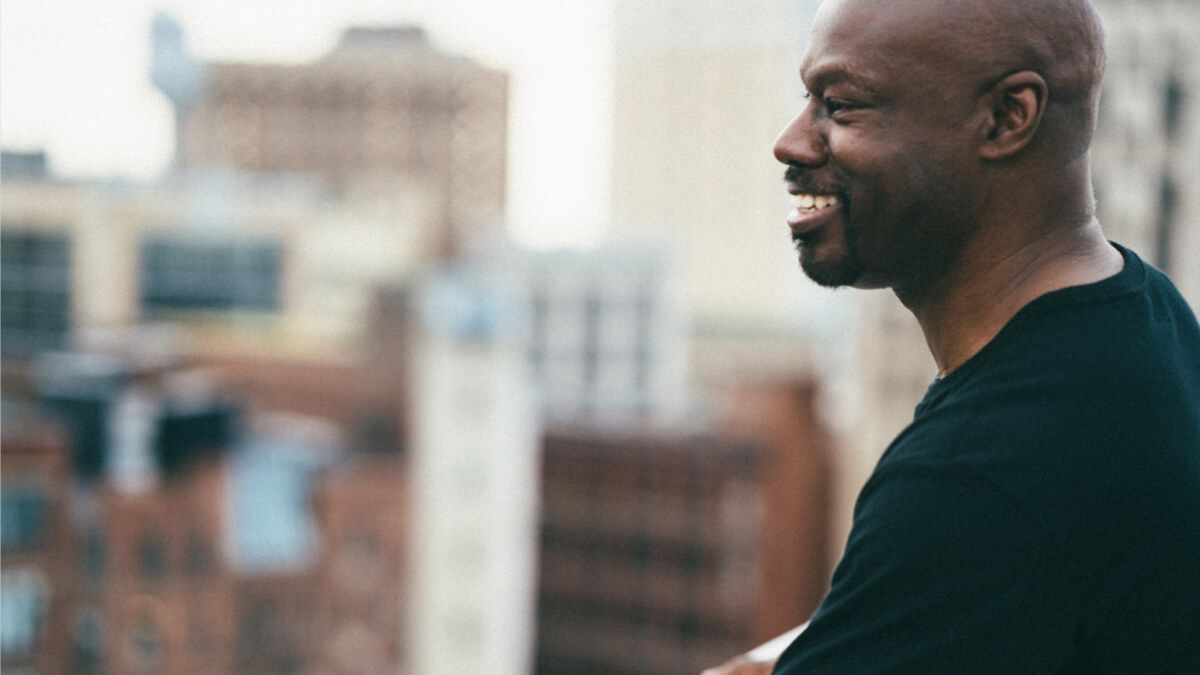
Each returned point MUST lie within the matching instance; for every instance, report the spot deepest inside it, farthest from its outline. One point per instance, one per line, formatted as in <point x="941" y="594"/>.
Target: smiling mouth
<point x="808" y="208"/>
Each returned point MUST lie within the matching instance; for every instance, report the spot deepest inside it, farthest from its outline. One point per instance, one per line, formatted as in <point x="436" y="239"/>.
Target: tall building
<point x="364" y="510"/>
<point x="163" y="599"/>
<point x="474" y="477"/>
<point x="384" y="112"/>
<point x="667" y="551"/>
<point x="606" y="334"/>
<point x="1146" y="158"/>
<point x="701" y="89"/>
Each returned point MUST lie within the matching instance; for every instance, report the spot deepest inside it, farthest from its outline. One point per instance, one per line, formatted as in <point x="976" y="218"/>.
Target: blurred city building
<point x="35" y="571"/>
<point x="602" y="332"/>
<point x="700" y="92"/>
<point x="235" y="513"/>
<point x="664" y="551"/>
<point x="606" y="334"/>
<point x="474" y="480"/>
<point x="270" y="533"/>
<point x="130" y="549"/>
<point x="385" y="113"/>
<point x="266" y="262"/>
<point x="1146" y="158"/>
<point x="300" y="190"/>
<point x="363" y="507"/>
<point x="696" y="112"/>
<point x="203" y="532"/>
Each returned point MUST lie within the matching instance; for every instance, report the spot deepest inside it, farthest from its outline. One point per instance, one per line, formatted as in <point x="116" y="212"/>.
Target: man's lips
<point x="810" y="211"/>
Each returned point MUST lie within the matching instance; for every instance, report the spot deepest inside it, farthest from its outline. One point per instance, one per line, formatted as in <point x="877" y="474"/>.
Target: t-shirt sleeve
<point x="941" y="574"/>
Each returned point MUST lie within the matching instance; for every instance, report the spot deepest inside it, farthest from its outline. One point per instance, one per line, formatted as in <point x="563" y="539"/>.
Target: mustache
<point x="804" y="180"/>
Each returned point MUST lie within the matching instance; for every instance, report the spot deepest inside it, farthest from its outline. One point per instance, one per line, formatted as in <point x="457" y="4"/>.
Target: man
<point x="1042" y="511"/>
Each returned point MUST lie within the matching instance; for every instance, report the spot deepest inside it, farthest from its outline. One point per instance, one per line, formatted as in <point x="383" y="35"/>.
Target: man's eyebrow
<point x="823" y="77"/>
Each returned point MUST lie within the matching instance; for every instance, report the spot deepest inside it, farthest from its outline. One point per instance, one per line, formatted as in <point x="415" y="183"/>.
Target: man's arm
<point x="761" y="659"/>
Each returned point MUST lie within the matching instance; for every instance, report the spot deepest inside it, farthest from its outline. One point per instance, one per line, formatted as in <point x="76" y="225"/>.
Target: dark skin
<point x="953" y="135"/>
<point x="959" y="159"/>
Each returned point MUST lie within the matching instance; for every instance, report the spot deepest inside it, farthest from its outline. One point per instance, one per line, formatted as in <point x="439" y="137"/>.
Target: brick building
<point x="249" y="557"/>
<point x="35" y="572"/>
<point x="164" y="596"/>
<point x="664" y="552"/>
<point x="363" y="511"/>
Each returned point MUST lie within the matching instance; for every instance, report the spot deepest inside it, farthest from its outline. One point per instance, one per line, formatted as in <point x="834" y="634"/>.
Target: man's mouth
<point x="808" y="207"/>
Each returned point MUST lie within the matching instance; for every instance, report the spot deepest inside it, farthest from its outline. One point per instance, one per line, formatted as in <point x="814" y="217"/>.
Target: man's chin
<point x="830" y="272"/>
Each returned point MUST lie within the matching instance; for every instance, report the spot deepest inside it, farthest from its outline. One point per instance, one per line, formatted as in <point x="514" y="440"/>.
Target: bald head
<point x="979" y="42"/>
<point x="1061" y="39"/>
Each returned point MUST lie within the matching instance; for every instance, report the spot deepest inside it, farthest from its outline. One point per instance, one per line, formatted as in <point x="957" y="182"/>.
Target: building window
<point x="1168" y="204"/>
<point x="35" y="297"/>
<point x="145" y="643"/>
<point x="21" y="613"/>
<point x="593" y="316"/>
<point x="261" y="626"/>
<point x="273" y="525"/>
<point x="209" y="276"/>
<point x="199" y="555"/>
<point x="87" y="641"/>
<point x="22" y="518"/>
<point x="643" y="353"/>
<point x="1173" y="95"/>
<point x="152" y="557"/>
<point x="201" y="634"/>
<point x="94" y="558"/>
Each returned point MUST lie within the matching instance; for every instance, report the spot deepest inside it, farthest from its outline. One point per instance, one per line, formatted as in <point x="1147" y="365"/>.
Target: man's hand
<point x="744" y="664"/>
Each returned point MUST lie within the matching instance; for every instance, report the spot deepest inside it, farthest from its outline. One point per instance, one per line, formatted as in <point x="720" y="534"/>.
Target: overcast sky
<point x="74" y="80"/>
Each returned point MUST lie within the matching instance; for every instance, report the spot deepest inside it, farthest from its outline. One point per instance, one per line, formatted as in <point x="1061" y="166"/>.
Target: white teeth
<point x="808" y="202"/>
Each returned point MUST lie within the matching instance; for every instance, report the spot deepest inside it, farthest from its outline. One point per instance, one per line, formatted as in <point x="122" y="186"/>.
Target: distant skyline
<point x="74" y="81"/>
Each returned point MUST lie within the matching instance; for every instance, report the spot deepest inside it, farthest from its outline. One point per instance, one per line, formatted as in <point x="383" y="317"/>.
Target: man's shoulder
<point x="1133" y="330"/>
<point x="1109" y="363"/>
<point x="1098" y="401"/>
<point x="1087" y="419"/>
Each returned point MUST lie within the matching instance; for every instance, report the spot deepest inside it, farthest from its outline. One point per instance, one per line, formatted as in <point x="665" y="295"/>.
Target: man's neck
<point x="992" y="282"/>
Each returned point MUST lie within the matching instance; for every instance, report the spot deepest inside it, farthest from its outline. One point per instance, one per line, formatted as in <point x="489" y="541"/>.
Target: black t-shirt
<point x="1042" y="511"/>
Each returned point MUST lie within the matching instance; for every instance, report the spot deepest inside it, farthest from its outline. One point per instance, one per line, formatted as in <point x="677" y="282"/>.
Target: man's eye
<point x="834" y="106"/>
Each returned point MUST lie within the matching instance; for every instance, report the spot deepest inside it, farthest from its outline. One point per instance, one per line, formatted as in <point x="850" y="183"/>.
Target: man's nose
<point x="800" y="143"/>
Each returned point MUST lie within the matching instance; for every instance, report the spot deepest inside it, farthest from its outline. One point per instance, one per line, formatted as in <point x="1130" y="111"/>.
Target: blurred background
<point x="450" y="337"/>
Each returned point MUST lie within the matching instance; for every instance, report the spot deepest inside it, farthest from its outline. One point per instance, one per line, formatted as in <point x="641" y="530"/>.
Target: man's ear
<point x="1017" y="105"/>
